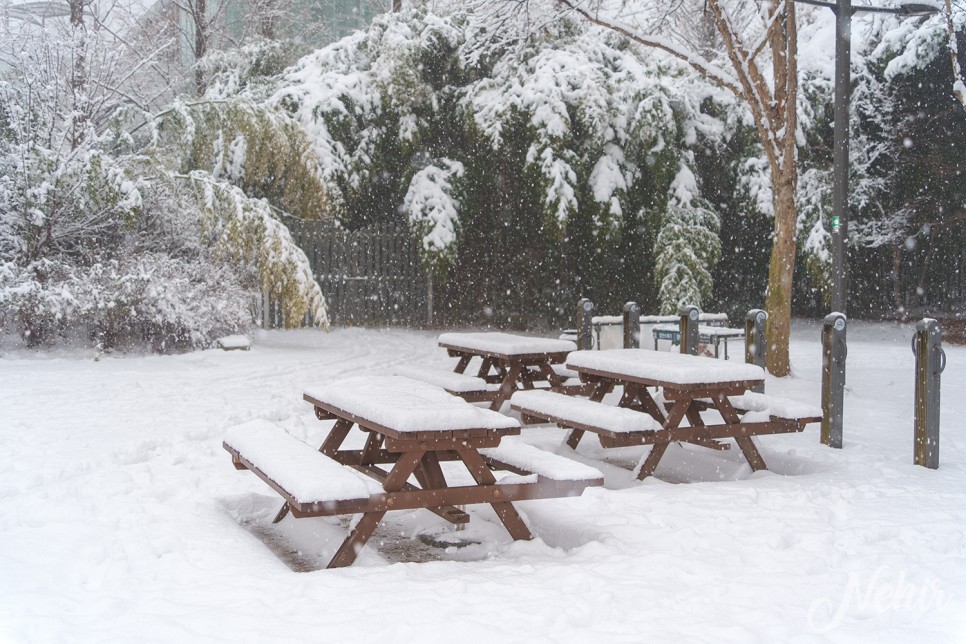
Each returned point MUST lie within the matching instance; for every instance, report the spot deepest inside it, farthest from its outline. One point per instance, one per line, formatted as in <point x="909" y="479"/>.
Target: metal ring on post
<point x="942" y="359"/>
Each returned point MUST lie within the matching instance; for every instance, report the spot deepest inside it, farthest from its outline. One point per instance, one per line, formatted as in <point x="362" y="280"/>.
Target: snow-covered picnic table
<point x="707" y="334"/>
<point x="689" y="385"/>
<point x="509" y="363"/>
<point x="412" y="426"/>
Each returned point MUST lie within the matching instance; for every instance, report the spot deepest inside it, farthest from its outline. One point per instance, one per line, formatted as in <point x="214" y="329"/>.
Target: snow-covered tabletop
<point x="654" y="367"/>
<point x="504" y="344"/>
<point x="405" y="405"/>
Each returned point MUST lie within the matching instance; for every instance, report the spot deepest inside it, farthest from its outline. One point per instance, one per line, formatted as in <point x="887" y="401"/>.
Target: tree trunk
<point x="781" y="271"/>
<point x="200" y="19"/>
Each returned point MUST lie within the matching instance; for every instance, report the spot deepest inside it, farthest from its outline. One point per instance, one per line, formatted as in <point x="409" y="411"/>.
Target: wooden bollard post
<point x="755" y="341"/>
<point x="930" y="363"/>
<point x="632" y="326"/>
<point x="689" y="329"/>
<point x="585" y="333"/>
<point x="834" y="352"/>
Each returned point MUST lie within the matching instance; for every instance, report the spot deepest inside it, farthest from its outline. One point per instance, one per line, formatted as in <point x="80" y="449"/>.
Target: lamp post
<point x="843" y="11"/>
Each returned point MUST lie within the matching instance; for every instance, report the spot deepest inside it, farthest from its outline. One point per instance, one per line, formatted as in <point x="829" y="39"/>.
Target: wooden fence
<point x="370" y="277"/>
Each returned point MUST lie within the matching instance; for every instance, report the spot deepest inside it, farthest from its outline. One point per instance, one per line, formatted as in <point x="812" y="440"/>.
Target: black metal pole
<point x="840" y="168"/>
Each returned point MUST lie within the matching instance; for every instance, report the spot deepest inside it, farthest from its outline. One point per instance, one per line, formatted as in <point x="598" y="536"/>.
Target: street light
<point x="843" y="11"/>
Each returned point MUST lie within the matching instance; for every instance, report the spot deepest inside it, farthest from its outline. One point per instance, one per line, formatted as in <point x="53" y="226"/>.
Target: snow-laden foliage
<point x="244" y="232"/>
<point x="433" y="210"/>
<point x="687" y="247"/>
<point x="567" y="139"/>
<point x="105" y="233"/>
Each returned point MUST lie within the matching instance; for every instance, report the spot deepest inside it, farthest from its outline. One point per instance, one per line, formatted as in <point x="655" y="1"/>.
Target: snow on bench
<point x="301" y="473"/>
<point x="513" y="454"/>
<point x="457" y="383"/>
<point x="234" y="342"/>
<point x="562" y="371"/>
<point x="581" y="413"/>
<point x="761" y="407"/>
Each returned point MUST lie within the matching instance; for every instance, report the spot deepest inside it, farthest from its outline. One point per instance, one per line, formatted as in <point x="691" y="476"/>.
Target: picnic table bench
<point x="411" y="428"/>
<point x="689" y="385"/>
<point x="508" y="363"/>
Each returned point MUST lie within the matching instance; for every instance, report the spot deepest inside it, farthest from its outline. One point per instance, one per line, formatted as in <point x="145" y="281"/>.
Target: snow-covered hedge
<point x="506" y="158"/>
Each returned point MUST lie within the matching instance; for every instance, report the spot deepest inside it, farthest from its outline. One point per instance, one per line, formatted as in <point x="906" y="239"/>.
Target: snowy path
<point x="122" y="519"/>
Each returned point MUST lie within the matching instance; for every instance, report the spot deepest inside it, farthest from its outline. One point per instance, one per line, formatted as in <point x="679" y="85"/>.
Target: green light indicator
<point x="836" y="223"/>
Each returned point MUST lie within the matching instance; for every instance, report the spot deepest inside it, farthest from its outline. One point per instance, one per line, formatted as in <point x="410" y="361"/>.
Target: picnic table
<point x="688" y="386"/>
<point x="510" y="363"/>
<point x="707" y="334"/>
<point x="411" y="427"/>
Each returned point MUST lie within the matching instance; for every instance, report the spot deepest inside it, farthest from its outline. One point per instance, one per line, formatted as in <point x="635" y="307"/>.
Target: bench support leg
<point x="730" y="415"/>
<point x="507" y="514"/>
<point x="357" y="539"/>
<point x="602" y="389"/>
<point x="650" y="463"/>
<point x="281" y="513"/>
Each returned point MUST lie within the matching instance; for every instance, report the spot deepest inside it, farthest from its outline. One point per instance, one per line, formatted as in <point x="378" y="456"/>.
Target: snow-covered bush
<point x="167" y="303"/>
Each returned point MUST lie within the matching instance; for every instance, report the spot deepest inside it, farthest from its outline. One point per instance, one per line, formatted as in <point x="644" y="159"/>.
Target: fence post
<point x="632" y="326"/>
<point x="689" y="329"/>
<point x="429" y="300"/>
<point x="585" y="332"/>
<point x="755" y="345"/>
<point x="834" y="352"/>
<point x="930" y="363"/>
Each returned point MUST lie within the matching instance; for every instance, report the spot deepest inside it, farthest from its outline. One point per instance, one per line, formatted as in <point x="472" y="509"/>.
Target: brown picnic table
<point x="411" y="427"/>
<point x="512" y="362"/>
<point x="688" y="385"/>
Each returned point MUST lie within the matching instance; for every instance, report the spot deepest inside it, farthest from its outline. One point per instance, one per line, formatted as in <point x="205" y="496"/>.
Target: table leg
<point x="359" y="535"/>
<point x="650" y="463"/>
<point x="694" y="417"/>
<point x="507" y="386"/>
<point x="463" y="363"/>
<point x="747" y="445"/>
<point x="371" y="449"/>
<point x="674" y="418"/>
<point x="507" y="514"/>
<point x="649" y="405"/>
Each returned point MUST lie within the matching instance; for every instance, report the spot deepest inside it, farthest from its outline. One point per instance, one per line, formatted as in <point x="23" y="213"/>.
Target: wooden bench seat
<point x="756" y="407"/>
<point x="455" y="383"/>
<point x="305" y="478"/>
<point x="516" y="456"/>
<point x="581" y="413"/>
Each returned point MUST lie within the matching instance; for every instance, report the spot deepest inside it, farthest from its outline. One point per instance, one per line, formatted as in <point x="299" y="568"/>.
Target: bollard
<point x="755" y="341"/>
<point x="834" y="351"/>
<point x="689" y="329"/>
<point x="632" y="326"/>
<point x="585" y="314"/>
<point x="930" y="363"/>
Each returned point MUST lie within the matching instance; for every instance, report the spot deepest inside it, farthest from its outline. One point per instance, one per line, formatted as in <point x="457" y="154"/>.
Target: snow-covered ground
<point x="123" y="520"/>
